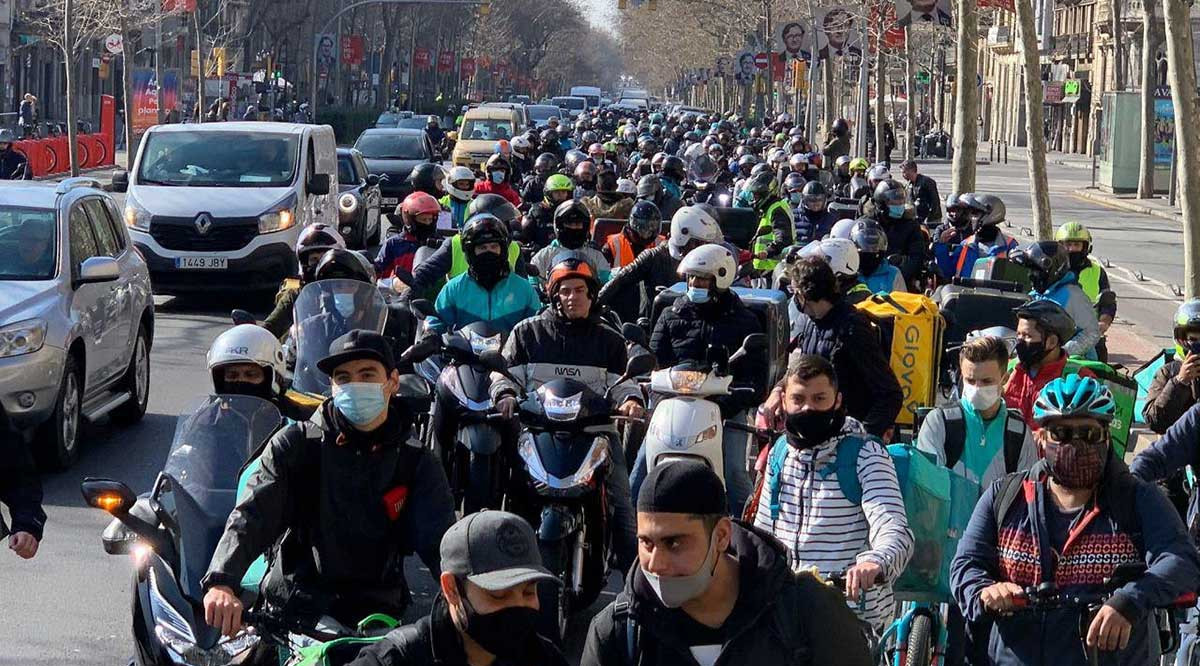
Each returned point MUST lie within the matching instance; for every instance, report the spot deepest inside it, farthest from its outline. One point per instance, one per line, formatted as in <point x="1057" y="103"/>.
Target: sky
<point x="601" y="13"/>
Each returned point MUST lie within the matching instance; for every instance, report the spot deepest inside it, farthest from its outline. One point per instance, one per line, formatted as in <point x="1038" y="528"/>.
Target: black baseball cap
<point x="355" y="345"/>
<point x="682" y="486"/>
<point x="495" y="550"/>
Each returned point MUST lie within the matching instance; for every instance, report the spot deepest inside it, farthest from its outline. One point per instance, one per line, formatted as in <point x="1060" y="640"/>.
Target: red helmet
<point x="567" y="265"/>
<point x="420" y="203"/>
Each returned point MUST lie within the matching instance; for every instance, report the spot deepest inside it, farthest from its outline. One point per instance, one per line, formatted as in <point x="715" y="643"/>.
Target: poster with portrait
<point x="923" y="11"/>
<point x="1164" y="131"/>
<point x="327" y="52"/>
<point x="724" y="66"/>
<point x="745" y="70"/>
<point x="839" y="33"/>
<point x="794" y="41"/>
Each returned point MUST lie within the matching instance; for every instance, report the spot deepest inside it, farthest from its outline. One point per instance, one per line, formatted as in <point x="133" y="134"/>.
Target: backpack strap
<point x="775" y="462"/>
<point x="955" y="428"/>
<point x="623" y="615"/>
<point x="1014" y="440"/>
<point x="846" y="467"/>
<point x="1010" y="488"/>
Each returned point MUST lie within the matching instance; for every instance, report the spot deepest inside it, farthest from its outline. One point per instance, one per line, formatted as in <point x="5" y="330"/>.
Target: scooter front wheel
<point x="555" y="600"/>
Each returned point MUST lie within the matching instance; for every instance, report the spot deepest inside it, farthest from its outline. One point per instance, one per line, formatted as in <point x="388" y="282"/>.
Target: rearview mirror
<point x="639" y="365"/>
<point x="421" y="349"/>
<point x="532" y="271"/>
<point x="120" y="180"/>
<point x="635" y="334"/>
<point x="111" y="496"/>
<point x="318" y="184"/>
<point x="422" y="308"/>
<point x="240" y="316"/>
<point x="98" y="269"/>
<point x="755" y="342"/>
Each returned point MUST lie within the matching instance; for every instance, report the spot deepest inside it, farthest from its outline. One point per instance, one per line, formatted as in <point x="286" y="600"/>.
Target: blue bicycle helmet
<point x="1072" y="396"/>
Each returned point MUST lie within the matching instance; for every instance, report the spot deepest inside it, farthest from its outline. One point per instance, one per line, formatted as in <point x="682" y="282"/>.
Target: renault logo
<point x="203" y="223"/>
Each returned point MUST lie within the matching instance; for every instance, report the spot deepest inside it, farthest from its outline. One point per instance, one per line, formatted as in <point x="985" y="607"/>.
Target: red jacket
<point x="503" y="189"/>
<point x="1022" y="390"/>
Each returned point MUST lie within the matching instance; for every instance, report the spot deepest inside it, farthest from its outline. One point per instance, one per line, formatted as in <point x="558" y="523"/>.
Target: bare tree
<point x="1118" y="58"/>
<point x="1033" y="120"/>
<point x="966" y="98"/>
<point x="1149" y="48"/>
<point x="1181" y="74"/>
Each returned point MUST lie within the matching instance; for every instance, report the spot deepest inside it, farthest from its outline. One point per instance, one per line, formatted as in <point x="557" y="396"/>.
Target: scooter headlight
<point x="687" y="381"/>
<point x="483" y="343"/>
<point x="174" y="631"/>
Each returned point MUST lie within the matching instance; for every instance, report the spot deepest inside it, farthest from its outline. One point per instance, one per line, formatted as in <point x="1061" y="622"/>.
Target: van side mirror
<point x="120" y="180"/>
<point x="318" y="184"/>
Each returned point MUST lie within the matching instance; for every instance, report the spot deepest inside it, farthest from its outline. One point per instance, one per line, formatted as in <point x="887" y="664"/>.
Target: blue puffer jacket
<point x="1019" y="550"/>
<point x="1067" y="293"/>
<point x="886" y="279"/>
<point x="812" y="226"/>
<point x="464" y="301"/>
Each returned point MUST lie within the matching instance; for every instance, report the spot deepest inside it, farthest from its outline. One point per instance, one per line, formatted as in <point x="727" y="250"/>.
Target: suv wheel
<point x="57" y="440"/>
<point x="136" y="383"/>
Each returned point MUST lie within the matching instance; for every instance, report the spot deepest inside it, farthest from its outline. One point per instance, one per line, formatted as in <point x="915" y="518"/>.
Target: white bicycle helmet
<point x="521" y="144"/>
<point x="841" y="254"/>
<point x="693" y="223"/>
<point x="456" y="174"/>
<point x="247" y="343"/>
<point x="842" y="228"/>
<point x="713" y="261"/>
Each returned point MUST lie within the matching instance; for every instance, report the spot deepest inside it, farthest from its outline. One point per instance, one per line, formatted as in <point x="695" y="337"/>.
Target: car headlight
<point x="277" y="220"/>
<point x="687" y="381"/>
<point x="136" y="217"/>
<point x="348" y="203"/>
<point x="23" y="337"/>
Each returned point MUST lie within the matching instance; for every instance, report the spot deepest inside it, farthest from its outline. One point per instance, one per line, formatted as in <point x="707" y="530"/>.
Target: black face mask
<point x="809" y="428"/>
<point x="987" y="234"/>
<point x="1031" y="353"/>
<point x="489" y="268"/>
<point x="422" y="232"/>
<point x="868" y="263"/>
<point x="589" y="185"/>
<point x="262" y="390"/>
<point x="1078" y="261"/>
<point x="572" y="239"/>
<point x="504" y="633"/>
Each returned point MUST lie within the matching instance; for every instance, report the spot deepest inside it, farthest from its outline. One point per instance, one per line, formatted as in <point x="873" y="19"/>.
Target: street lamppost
<point x="312" y="100"/>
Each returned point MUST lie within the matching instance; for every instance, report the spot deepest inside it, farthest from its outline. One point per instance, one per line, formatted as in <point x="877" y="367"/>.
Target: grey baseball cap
<point x="495" y="550"/>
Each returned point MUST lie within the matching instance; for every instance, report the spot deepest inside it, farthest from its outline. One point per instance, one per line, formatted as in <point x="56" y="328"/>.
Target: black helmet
<point x="316" y="238"/>
<point x="344" y="264"/>
<point x="1050" y="317"/>
<point x="549" y="137"/>
<point x="572" y="160"/>
<point x="589" y="137"/>
<point x="761" y="167"/>
<point x="572" y="211"/>
<point x="545" y="164"/>
<point x="1046" y="261"/>
<point x="704" y="168"/>
<point x="495" y="205"/>
<point x="761" y="187"/>
<point x="840" y="127"/>
<point x="985" y="208"/>
<point x="746" y="162"/>
<point x="888" y="193"/>
<point x="815" y="195"/>
<point x="480" y="229"/>
<point x="498" y="162"/>
<point x="645" y="220"/>
<point x="868" y="236"/>
<point x="793" y="183"/>
<point x="649" y="187"/>
<point x="647" y="145"/>
<point x="429" y="178"/>
<point x="673" y="166"/>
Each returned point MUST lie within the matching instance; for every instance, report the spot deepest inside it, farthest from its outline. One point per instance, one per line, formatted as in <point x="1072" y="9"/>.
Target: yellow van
<point x="481" y="128"/>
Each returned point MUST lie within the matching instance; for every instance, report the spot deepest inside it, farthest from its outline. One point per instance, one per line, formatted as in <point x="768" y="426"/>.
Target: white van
<point x="590" y="93"/>
<point x="222" y="204"/>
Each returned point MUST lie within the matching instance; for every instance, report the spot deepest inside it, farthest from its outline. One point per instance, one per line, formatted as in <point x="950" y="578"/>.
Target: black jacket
<point x="781" y="618"/>
<point x="906" y="239"/>
<point x="1168" y="399"/>
<point x="847" y="338"/>
<point x="923" y="193"/>
<point x="686" y="329"/>
<point x="531" y="191"/>
<point x="20" y="489"/>
<point x="434" y="640"/>
<point x="352" y="505"/>
<point x="14" y="166"/>
<point x="812" y="226"/>
<point x="651" y="269"/>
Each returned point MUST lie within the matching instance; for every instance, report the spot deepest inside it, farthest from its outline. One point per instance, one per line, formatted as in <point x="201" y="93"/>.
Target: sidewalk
<point x="103" y="174"/>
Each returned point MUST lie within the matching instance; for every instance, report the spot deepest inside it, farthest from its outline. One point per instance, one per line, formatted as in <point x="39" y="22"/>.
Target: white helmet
<point x="878" y="172"/>
<point x="520" y="143"/>
<point x="842" y="229"/>
<point x="840" y="253"/>
<point x="456" y="174"/>
<point x="247" y="343"/>
<point x="712" y="260"/>
<point x="626" y="186"/>
<point x="693" y="223"/>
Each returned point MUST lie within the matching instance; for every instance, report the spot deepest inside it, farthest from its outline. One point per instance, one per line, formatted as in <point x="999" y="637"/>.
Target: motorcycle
<point x="324" y="311"/>
<point x="172" y="531"/>
<point x="565" y="449"/>
<point x="687" y="423"/>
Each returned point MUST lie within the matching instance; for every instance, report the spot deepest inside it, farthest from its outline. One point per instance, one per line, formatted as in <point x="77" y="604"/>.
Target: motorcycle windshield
<point x="211" y="444"/>
<point x="324" y="311"/>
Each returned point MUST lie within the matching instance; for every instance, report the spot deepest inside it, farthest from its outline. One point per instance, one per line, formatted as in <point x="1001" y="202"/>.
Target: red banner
<point x="445" y="62"/>
<point x="422" y="58"/>
<point x="352" y="50"/>
<point x="466" y="68"/>
<point x="1006" y="5"/>
<point x="893" y="37"/>
<point x="779" y="66"/>
<point x="485" y="62"/>
<point x="179" y="5"/>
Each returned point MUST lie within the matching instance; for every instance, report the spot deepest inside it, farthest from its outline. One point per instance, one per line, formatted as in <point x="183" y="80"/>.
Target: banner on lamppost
<point x="422" y="57"/>
<point x="326" y="52"/>
<point x="746" y="69"/>
<point x="466" y="68"/>
<point x="930" y="11"/>
<point x="445" y="62"/>
<point x="145" y="96"/>
<point x="795" y="39"/>
<point x="352" y="49"/>
<point x="838" y="33"/>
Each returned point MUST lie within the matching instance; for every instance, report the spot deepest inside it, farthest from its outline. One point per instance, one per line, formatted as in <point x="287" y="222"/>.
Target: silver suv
<point x="76" y="315"/>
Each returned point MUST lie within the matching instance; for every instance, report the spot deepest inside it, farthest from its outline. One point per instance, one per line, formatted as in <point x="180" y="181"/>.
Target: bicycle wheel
<point x="920" y="642"/>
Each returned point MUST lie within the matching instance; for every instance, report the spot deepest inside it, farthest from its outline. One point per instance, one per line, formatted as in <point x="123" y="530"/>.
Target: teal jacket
<point x="463" y="301"/>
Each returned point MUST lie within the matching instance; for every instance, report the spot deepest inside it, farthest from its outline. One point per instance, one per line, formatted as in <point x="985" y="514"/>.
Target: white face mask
<point x="981" y="398"/>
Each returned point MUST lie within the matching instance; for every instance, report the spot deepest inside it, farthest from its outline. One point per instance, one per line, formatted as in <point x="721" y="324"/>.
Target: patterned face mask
<point x="1077" y="463"/>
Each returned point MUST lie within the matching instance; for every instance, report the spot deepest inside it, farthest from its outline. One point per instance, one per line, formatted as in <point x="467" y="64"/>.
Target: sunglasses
<point x="1087" y="433"/>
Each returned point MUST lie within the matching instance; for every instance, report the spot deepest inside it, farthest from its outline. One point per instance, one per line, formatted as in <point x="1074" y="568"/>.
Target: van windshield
<point x="219" y="159"/>
<point x="572" y="103"/>
<point x="486" y="129"/>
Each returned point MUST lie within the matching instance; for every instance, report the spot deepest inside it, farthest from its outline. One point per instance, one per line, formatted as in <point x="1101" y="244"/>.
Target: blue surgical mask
<point x="344" y="304"/>
<point x="497" y="177"/>
<point x="896" y="211"/>
<point x="795" y="198"/>
<point x="359" y="402"/>
<point x="698" y="294"/>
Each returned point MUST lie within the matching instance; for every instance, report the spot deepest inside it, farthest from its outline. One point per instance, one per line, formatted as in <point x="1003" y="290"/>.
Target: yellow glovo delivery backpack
<point x="911" y="329"/>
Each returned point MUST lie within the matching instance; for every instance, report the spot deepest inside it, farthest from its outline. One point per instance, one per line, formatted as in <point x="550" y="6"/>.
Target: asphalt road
<point x="70" y="605"/>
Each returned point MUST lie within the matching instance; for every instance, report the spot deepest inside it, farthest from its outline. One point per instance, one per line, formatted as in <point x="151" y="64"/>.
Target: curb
<point x="1130" y="206"/>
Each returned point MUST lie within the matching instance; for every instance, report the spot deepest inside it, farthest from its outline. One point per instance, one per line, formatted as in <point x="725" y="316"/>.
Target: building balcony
<point x="1000" y="39"/>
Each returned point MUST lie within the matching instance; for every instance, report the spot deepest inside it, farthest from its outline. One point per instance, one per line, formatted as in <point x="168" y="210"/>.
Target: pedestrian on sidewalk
<point x="28" y="115"/>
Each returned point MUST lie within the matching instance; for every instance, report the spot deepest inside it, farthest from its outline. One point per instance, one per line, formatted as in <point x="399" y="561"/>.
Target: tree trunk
<point x="910" y="106"/>
<point x="966" y="97"/>
<point x="199" y="67"/>
<point x="1182" y="77"/>
<point x="1033" y="120"/>
<point x="158" y="73"/>
<point x="72" y="57"/>
<point x="831" y="103"/>
<point x="127" y="95"/>
<point x="1149" y="47"/>
<point x="881" y="154"/>
<point x="1114" y="27"/>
